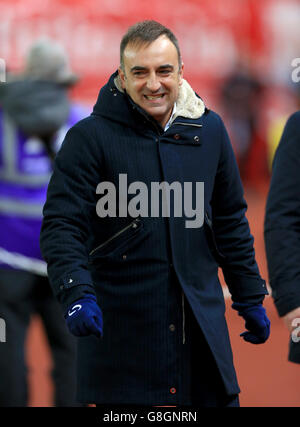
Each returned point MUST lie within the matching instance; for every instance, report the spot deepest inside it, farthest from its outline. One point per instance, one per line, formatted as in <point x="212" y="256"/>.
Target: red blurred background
<point x="218" y="39"/>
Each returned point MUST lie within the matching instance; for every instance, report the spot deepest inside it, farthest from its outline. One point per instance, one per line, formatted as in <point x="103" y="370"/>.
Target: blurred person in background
<point x="282" y="231"/>
<point x="163" y="337"/>
<point x="241" y="97"/>
<point x="35" y="114"/>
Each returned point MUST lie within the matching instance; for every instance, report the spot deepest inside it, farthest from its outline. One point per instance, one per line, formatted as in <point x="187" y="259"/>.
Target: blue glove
<point x="257" y="322"/>
<point x="84" y="317"/>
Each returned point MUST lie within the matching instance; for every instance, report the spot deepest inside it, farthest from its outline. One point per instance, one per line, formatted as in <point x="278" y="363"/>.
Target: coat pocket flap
<point x="125" y="237"/>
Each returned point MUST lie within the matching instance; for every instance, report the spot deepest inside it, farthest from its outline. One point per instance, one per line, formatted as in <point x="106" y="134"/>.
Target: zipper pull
<point x="135" y="223"/>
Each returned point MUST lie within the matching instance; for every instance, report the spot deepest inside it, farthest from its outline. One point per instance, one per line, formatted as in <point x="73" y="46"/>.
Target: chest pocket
<point x="184" y="133"/>
<point x="125" y="239"/>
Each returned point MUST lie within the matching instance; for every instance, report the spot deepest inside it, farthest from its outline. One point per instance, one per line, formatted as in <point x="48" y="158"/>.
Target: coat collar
<point x="114" y="104"/>
<point x="188" y="104"/>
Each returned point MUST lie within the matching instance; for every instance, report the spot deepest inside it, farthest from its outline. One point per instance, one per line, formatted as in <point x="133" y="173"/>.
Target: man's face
<point x="152" y="77"/>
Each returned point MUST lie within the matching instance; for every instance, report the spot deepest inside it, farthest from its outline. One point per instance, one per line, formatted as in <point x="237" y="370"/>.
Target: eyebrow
<point x="139" y="68"/>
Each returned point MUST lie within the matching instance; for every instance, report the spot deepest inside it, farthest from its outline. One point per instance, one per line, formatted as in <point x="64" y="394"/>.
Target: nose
<point x="153" y="83"/>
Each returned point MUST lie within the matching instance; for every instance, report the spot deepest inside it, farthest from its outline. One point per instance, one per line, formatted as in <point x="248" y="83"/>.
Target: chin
<point x="156" y="113"/>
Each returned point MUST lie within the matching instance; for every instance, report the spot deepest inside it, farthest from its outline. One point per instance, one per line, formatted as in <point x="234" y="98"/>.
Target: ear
<point x="122" y="77"/>
<point x="181" y="74"/>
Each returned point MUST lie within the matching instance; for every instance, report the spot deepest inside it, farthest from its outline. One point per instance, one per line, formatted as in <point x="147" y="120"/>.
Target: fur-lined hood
<point x="188" y="104"/>
<point x="114" y="104"/>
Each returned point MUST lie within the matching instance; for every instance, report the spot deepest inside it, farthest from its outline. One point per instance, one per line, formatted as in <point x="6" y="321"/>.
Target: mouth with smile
<point x="154" y="97"/>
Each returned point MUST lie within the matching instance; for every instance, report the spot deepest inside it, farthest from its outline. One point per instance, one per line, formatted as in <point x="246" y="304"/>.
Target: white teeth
<point x="153" y="97"/>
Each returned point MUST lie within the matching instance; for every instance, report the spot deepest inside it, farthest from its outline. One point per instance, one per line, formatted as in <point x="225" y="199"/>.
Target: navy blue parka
<point x="146" y="271"/>
<point x="282" y="225"/>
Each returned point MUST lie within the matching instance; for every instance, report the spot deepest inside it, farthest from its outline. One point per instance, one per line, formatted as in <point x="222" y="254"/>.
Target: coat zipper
<point x="133" y="224"/>
<point x="187" y="124"/>
<point x="183" y="319"/>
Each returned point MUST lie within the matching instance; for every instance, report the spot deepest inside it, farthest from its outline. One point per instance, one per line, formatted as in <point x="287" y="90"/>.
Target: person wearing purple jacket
<point x="35" y="114"/>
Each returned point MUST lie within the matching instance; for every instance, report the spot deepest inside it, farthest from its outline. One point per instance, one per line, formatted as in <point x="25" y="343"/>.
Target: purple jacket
<point x="25" y="170"/>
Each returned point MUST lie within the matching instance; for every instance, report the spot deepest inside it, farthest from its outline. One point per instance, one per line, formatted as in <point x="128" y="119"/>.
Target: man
<point x="35" y="114"/>
<point x="145" y="279"/>
<point x="282" y="231"/>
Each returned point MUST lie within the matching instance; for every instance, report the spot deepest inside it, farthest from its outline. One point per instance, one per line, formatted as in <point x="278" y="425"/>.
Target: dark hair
<point x="146" y="32"/>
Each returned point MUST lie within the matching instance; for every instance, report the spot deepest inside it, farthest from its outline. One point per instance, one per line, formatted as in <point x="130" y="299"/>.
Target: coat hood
<point x="37" y="107"/>
<point x="114" y="103"/>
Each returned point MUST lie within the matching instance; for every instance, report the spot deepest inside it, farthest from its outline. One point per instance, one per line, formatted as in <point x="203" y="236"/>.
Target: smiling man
<point x="151" y="74"/>
<point x="142" y="292"/>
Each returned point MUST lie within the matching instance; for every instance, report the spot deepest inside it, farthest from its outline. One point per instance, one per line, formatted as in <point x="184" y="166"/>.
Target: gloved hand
<point x="84" y="317"/>
<point x="257" y="322"/>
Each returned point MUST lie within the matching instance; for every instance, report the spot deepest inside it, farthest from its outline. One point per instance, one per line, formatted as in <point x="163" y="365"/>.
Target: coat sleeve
<point x="67" y="216"/>
<point x="282" y="220"/>
<point x="231" y="228"/>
